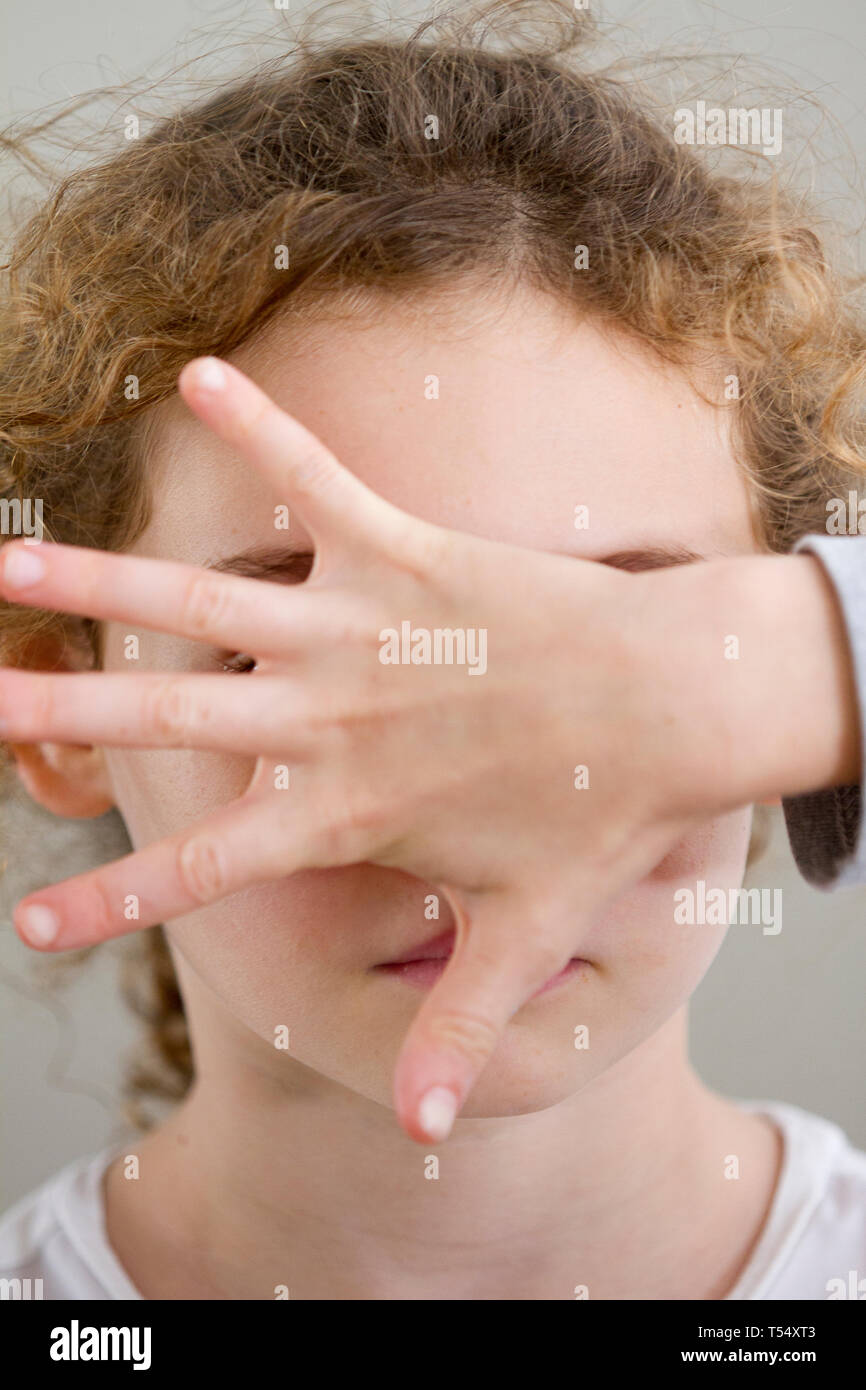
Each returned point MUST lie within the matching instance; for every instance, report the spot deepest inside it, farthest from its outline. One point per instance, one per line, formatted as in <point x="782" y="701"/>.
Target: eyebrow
<point x="285" y="564"/>
<point x="288" y="564"/>
<point x="652" y="557"/>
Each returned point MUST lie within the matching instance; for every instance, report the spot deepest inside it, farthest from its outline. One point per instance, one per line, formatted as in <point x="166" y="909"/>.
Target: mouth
<point x="422" y="966"/>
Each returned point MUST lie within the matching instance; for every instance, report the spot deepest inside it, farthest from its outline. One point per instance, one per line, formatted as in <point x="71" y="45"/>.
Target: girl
<point x="492" y="286"/>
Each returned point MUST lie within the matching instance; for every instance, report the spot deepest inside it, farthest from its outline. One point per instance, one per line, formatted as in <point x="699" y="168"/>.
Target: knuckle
<point x="543" y="936"/>
<point x="205" y="605"/>
<point x="314" y="469"/>
<point x="469" y="1035"/>
<point x="355" y="625"/>
<point x="167" y="713"/>
<point x="353" y="832"/>
<point x="41" y="706"/>
<point x="102" y="913"/>
<point x="252" y="418"/>
<point x="420" y="549"/>
<point x="201" y="869"/>
<point x="544" y="954"/>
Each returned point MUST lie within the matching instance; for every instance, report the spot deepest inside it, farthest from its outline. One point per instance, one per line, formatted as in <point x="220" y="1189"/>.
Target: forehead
<point x="495" y="416"/>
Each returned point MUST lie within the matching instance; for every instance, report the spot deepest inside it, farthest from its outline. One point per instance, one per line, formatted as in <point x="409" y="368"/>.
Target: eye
<point x="240" y="662"/>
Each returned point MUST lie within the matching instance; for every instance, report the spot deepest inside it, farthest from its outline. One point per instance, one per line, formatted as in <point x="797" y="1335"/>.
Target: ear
<point x="66" y="779"/>
<point x="69" y="780"/>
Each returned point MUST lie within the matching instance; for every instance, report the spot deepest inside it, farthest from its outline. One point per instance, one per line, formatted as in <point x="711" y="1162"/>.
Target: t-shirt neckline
<point x="808" y="1142"/>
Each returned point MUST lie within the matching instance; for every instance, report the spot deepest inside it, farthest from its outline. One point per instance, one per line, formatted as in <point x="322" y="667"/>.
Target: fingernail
<point x="209" y="374"/>
<point x="437" y="1112"/>
<point x="22" y="567"/>
<point x="39" y="924"/>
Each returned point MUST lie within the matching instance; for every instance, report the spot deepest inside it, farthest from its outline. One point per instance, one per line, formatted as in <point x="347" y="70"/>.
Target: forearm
<point x="759" y="663"/>
<point x="800" y="720"/>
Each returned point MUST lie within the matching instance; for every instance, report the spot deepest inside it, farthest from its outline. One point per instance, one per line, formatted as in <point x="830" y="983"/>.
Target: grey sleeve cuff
<point x="826" y="828"/>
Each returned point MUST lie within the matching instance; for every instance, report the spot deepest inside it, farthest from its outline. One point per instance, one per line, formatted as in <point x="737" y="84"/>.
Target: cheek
<point x="653" y="960"/>
<point x="295" y="954"/>
<point x="292" y="951"/>
<point x="260" y="960"/>
<point x="254" y="951"/>
<point x="161" y="792"/>
<point x="305" y="939"/>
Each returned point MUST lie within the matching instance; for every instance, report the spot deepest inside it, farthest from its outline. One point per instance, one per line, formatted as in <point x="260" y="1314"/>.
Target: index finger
<point x="334" y="505"/>
<point x="493" y="973"/>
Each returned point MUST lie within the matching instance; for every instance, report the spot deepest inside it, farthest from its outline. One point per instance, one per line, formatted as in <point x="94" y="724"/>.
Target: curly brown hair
<point x="168" y="248"/>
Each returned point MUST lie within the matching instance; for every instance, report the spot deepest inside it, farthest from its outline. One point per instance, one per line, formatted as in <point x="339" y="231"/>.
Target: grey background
<point x="777" y="1016"/>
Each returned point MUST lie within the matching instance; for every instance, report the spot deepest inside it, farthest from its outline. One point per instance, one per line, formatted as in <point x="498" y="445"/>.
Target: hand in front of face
<point x="463" y="773"/>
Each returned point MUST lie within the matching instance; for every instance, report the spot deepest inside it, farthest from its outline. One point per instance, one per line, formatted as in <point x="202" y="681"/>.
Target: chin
<point x="536" y="1064"/>
<point x="528" y="1075"/>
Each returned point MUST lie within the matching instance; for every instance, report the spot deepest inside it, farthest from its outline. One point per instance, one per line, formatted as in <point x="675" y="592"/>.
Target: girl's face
<point x="537" y="413"/>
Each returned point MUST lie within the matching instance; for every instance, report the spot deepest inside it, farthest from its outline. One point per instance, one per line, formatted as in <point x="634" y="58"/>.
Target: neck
<point x="264" y="1179"/>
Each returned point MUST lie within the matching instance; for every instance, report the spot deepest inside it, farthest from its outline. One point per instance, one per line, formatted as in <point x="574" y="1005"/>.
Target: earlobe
<point x="70" y="780"/>
<point x="67" y="779"/>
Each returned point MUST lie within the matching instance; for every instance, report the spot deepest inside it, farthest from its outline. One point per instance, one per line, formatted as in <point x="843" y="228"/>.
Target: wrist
<point x="774" y="675"/>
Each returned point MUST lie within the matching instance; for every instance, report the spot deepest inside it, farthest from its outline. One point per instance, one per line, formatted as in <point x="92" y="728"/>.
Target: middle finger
<point x="268" y="715"/>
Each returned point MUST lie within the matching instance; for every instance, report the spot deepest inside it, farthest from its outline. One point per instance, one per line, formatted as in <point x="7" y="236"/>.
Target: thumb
<point x="501" y="958"/>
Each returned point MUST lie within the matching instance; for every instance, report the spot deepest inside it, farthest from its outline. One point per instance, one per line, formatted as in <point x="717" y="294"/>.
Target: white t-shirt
<point x="815" y="1233"/>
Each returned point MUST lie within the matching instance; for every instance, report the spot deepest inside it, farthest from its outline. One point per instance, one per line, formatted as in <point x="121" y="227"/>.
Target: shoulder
<point x="835" y="1235"/>
<point x="823" y="1150"/>
<point x="53" y="1243"/>
<point x="814" y="1243"/>
<point x="32" y="1223"/>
